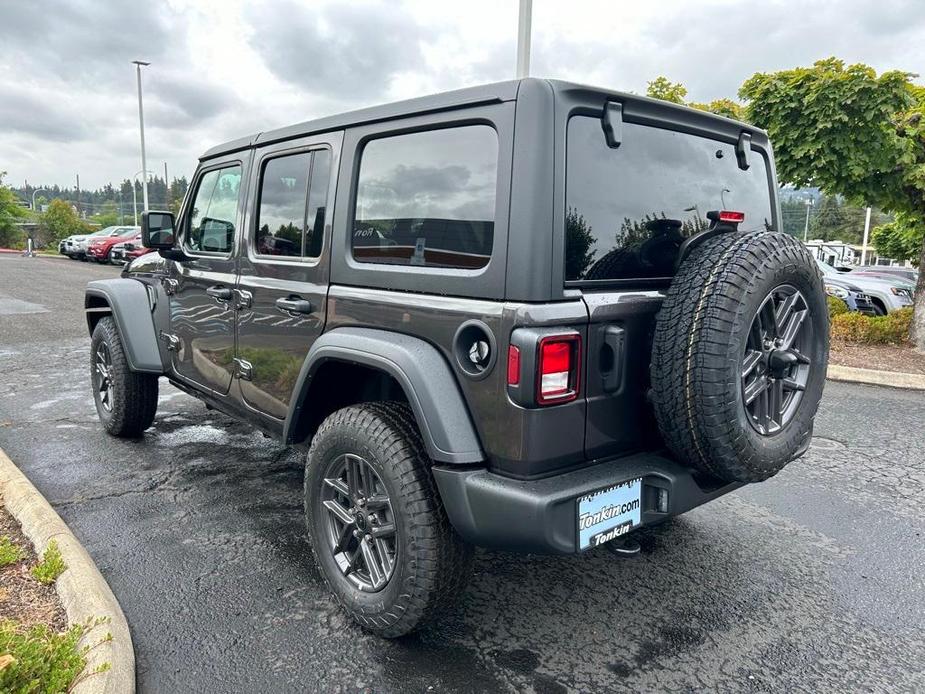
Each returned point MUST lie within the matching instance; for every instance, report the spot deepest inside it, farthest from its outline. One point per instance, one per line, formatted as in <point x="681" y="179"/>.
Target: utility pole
<point x="523" y="39"/>
<point x="141" y="124"/>
<point x="866" y="234"/>
<point x="809" y="204"/>
<point x="78" y="196"/>
<point x="166" y="189"/>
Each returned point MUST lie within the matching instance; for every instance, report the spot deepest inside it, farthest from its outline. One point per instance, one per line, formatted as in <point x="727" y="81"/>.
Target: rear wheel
<point x="739" y="355"/>
<point x="126" y="401"/>
<point x="378" y="530"/>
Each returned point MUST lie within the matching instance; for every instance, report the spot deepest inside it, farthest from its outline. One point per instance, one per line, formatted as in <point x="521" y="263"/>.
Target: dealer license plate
<point x="609" y="513"/>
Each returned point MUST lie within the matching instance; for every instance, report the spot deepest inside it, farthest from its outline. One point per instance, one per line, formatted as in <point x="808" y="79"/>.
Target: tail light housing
<point x="558" y="365"/>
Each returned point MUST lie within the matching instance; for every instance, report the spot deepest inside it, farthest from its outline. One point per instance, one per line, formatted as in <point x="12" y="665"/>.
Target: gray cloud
<point x="82" y="40"/>
<point x="32" y="112"/>
<point x="341" y="51"/>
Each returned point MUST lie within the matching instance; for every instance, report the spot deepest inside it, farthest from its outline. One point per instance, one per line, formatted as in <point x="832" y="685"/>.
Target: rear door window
<point x="628" y="209"/>
<point x="291" y="209"/>
<point x="427" y="198"/>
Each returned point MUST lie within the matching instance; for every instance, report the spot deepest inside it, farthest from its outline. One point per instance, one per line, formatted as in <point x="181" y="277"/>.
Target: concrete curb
<point x="82" y="589"/>
<point x="873" y="377"/>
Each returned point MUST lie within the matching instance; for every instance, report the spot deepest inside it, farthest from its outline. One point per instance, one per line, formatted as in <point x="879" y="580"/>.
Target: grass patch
<point x="10" y="553"/>
<point x="38" y="659"/>
<point x="51" y="566"/>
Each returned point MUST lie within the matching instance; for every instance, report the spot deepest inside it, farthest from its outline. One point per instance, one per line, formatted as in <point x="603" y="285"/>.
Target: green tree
<point x="10" y="212"/>
<point x="666" y="90"/>
<point x="850" y="132"/>
<point x="675" y="92"/>
<point x="60" y="221"/>
<point x="108" y="215"/>
<point x="900" y="239"/>
<point x="578" y="242"/>
<point x="723" y="107"/>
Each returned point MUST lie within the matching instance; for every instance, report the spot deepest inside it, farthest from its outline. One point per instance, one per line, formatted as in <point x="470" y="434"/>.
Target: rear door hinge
<point x="172" y="341"/>
<point x="170" y="286"/>
<point x="243" y="299"/>
<point x="243" y="369"/>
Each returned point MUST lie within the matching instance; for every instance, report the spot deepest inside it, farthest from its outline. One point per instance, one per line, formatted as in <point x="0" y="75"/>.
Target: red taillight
<point x="513" y="366"/>
<point x="731" y="217"/>
<point x="557" y="370"/>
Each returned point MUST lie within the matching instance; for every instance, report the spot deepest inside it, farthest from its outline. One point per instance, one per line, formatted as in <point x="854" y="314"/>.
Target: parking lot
<point x="812" y="581"/>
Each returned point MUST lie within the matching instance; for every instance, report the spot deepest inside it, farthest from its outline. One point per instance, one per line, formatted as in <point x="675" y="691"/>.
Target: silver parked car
<point x="885" y="294"/>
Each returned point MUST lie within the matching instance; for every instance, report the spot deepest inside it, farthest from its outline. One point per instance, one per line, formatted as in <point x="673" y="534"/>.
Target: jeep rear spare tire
<point x="739" y="355"/>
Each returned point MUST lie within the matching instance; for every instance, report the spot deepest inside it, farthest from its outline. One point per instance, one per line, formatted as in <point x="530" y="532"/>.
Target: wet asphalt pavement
<point x="812" y="581"/>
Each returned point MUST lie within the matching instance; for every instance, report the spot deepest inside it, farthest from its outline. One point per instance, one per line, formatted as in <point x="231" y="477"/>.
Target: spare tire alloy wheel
<point x="777" y="361"/>
<point x="739" y="355"/>
<point x="359" y="525"/>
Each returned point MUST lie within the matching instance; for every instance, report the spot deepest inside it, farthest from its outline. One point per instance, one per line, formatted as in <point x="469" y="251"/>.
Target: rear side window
<point x="428" y="198"/>
<point x="214" y="211"/>
<point x="628" y="209"/>
<point x="290" y="216"/>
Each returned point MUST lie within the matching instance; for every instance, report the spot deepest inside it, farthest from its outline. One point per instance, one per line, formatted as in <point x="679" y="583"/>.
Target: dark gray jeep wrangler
<point x="531" y="316"/>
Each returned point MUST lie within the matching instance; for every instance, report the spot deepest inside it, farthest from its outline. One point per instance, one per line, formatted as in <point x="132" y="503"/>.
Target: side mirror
<point x="157" y="230"/>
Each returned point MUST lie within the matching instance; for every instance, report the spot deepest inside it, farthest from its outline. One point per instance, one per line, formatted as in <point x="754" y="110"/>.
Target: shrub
<point x="836" y="306"/>
<point x="893" y="329"/>
<point x="9" y="552"/>
<point x="51" y="566"/>
<point x="39" y="659"/>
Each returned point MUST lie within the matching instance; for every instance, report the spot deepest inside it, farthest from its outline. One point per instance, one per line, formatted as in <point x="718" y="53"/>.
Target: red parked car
<point x="127" y="251"/>
<point x="100" y="249"/>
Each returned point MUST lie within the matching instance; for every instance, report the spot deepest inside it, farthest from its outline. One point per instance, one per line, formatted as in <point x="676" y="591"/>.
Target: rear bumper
<point x="490" y="510"/>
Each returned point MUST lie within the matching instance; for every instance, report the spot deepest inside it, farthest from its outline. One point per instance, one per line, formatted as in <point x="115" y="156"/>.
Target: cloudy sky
<point x="225" y="68"/>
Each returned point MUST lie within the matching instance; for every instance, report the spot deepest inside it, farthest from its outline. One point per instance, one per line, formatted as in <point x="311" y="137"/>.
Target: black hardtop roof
<point x="484" y="94"/>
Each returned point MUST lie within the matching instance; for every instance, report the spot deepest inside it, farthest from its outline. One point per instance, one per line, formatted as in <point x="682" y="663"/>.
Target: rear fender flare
<point x="420" y="370"/>
<point x="126" y="300"/>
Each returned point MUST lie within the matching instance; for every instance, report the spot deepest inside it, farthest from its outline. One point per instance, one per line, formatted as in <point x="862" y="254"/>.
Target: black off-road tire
<point x="699" y="345"/>
<point x="134" y="395"/>
<point x="432" y="563"/>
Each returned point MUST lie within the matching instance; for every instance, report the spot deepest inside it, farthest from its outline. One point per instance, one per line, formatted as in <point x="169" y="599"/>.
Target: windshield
<point x="629" y="209"/>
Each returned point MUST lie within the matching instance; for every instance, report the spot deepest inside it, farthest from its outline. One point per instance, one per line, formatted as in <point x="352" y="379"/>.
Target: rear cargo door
<point x="629" y="209"/>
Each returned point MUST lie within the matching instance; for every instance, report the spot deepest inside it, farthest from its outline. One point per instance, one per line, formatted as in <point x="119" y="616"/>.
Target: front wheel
<point x="377" y="526"/>
<point x="126" y="401"/>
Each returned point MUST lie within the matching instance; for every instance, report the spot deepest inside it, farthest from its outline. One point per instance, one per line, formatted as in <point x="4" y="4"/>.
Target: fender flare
<point x="127" y="301"/>
<point x="423" y="375"/>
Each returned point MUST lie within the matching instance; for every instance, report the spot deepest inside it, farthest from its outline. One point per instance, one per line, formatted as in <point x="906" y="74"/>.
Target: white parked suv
<point x="885" y="294"/>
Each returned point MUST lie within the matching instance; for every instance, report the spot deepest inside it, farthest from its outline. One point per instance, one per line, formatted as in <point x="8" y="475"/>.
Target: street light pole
<point x="809" y="204"/>
<point x="866" y="234"/>
<point x="141" y="124"/>
<point x="44" y="190"/>
<point x="523" y="38"/>
<point x="135" y="195"/>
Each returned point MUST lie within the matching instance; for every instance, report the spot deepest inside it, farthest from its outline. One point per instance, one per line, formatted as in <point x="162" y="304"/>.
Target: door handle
<point x="219" y="292"/>
<point x="294" y="305"/>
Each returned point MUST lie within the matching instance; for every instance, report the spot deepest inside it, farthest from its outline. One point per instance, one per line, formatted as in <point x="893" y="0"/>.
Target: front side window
<point x="629" y="209"/>
<point x="214" y="211"/>
<point x="428" y="198"/>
